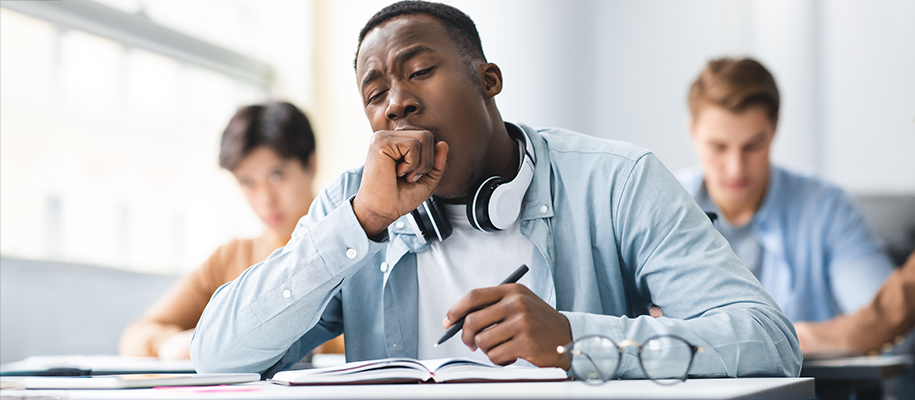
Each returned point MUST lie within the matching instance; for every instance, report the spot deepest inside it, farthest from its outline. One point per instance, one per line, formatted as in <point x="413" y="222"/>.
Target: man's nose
<point x="267" y="197"/>
<point x="735" y="163"/>
<point x="401" y="104"/>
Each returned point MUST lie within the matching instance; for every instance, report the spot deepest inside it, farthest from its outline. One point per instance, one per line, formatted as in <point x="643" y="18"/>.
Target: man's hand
<point x="509" y="322"/>
<point x="401" y="170"/>
<point x="176" y="346"/>
<point x="818" y="336"/>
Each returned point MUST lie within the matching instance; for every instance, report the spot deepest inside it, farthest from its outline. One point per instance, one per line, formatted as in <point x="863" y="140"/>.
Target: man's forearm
<point x="889" y="315"/>
<point x="738" y="340"/>
<point x="251" y="322"/>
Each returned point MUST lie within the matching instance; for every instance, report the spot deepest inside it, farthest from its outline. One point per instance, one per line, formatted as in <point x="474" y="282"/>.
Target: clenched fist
<point x="402" y="169"/>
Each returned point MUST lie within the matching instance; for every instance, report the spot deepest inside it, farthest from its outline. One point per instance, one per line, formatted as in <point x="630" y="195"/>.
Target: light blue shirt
<point x="819" y="259"/>
<point x="612" y="225"/>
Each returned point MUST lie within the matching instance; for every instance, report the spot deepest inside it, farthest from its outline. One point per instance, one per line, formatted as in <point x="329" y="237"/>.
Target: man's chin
<point x="450" y="194"/>
<point x="737" y="196"/>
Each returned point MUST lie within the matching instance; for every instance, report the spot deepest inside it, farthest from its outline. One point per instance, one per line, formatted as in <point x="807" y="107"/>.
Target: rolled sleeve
<point x="252" y="322"/>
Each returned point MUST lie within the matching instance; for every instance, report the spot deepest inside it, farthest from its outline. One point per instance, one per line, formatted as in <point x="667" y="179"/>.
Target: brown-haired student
<point x="270" y="149"/>
<point x="803" y="238"/>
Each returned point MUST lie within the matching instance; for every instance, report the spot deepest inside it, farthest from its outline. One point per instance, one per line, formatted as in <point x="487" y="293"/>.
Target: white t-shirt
<point x="469" y="259"/>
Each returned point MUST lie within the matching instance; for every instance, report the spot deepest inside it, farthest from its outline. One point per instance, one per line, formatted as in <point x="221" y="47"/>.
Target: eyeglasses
<point x="665" y="359"/>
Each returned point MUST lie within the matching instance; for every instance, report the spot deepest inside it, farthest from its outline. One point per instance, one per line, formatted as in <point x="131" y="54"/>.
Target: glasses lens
<point x="594" y="359"/>
<point x="666" y="357"/>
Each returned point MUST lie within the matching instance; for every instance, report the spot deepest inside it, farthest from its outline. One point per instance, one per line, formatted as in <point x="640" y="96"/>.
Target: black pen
<point x="460" y="323"/>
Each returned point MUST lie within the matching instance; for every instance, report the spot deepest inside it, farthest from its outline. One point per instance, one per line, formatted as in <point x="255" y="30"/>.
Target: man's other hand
<point x="402" y="169"/>
<point x="176" y="346"/>
<point x="508" y="322"/>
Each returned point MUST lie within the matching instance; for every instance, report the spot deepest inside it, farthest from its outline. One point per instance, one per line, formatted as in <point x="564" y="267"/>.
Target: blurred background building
<point x="111" y="110"/>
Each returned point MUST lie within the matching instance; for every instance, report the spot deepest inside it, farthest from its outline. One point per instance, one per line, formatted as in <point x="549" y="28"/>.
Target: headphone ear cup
<point x="478" y="209"/>
<point x="430" y="222"/>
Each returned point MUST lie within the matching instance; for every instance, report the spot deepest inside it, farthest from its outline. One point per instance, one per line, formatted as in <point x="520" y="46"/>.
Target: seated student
<point x="270" y="149"/>
<point x="880" y="324"/>
<point x="604" y="227"/>
<point x="803" y="238"/>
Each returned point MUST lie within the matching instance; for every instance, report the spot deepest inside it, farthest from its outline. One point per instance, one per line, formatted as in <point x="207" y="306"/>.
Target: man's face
<point x="734" y="151"/>
<point x="279" y="190"/>
<point x="412" y="76"/>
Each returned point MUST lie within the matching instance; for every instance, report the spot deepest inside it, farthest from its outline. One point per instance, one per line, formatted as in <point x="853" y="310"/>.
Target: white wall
<point x="341" y="127"/>
<point x="621" y="70"/>
<point x="869" y="98"/>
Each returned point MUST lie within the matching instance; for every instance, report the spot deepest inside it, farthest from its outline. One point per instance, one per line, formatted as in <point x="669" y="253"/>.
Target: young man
<point x="802" y="237"/>
<point x="604" y="227"/>
<point x="271" y="151"/>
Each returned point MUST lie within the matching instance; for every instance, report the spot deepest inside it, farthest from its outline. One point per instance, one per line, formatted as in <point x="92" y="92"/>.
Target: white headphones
<point x="495" y="205"/>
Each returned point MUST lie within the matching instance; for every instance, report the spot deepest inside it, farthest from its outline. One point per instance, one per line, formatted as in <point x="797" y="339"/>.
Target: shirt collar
<point x="538" y="200"/>
<point x="767" y="209"/>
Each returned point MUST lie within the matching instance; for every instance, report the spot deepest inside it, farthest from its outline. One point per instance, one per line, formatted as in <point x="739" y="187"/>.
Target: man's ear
<point x="313" y="163"/>
<point x="491" y="81"/>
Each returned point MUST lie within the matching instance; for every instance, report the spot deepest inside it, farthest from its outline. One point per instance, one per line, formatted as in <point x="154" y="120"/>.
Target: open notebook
<point x="408" y="370"/>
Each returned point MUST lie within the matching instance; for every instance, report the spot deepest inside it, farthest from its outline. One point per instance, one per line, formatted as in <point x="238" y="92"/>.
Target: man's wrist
<point x="374" y="225"/>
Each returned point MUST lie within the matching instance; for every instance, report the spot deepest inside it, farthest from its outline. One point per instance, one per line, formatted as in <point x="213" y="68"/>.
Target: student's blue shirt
<point x="612" y="225"/>
<point x="819" y="259"/>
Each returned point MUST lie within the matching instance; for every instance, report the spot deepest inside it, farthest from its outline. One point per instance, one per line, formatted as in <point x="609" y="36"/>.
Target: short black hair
<point x="460" y="27"/>
<point x="280" y="126"/>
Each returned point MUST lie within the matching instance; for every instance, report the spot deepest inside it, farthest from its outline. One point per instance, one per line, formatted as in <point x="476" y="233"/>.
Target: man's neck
<point x="509" y="157"/>
<point x="501" y="159"/>
<point x="739" y="213"/>
<point x="275" y="237"/>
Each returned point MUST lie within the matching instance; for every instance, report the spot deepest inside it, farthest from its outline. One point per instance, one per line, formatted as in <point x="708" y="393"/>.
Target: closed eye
<point x="421" y="72"/>
<point x="376" y="97"/>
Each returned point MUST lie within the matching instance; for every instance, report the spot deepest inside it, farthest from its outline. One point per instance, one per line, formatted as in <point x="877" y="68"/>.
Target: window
<point x="108" y="150"/>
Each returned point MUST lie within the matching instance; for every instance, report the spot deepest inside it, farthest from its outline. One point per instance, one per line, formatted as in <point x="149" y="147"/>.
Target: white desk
<point x="743" y="388"/>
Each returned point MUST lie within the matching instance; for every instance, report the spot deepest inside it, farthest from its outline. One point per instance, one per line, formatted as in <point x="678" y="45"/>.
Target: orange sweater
<point x="181" y="306"/>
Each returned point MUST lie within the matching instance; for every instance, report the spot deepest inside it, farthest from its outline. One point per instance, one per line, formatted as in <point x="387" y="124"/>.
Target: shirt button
<point x="384" y="267"/>
<point x="544" y="209"/>
<point x="351" y="253"/>
<point x="287" y="293"/>
<point x="399" y="224"/>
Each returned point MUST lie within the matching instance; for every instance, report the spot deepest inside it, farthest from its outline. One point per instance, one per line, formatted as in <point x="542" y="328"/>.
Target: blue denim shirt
<point x="819" y="259"/>
<point x="612" y="225"/>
